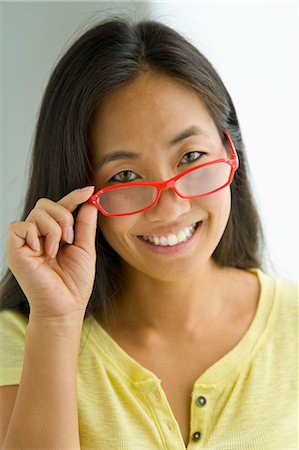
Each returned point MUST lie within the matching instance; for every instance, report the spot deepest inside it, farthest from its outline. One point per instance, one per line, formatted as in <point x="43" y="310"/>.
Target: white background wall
<point x="254" y="47"/>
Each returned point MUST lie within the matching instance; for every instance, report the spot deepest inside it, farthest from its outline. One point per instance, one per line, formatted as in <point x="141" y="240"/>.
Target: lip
<point x="170" y="250"/>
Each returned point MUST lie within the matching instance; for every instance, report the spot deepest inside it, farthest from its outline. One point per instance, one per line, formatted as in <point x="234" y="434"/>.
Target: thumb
<point x="85" y="228"/>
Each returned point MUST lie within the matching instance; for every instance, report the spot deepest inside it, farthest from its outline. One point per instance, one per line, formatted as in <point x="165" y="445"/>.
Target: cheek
<point x="221" y="211"/>
<point x="116" y="229"/>
<point x="218" y="207"/>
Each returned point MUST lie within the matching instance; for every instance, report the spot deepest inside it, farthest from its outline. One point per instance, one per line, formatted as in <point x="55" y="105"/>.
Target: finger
<point x="75" y="198"/>
<point x="61" y="211"/>
<point x="20" y="234"/>
<point x="71" y="201"/>
<point x="47" y="228"/>
<point x="85" y="228"/>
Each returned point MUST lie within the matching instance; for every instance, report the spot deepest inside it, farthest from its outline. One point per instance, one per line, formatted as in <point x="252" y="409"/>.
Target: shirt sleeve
<point x="12" y="346"/>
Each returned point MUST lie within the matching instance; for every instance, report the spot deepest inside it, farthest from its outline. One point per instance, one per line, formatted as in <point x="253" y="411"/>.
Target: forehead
<point x="151" y="107"/>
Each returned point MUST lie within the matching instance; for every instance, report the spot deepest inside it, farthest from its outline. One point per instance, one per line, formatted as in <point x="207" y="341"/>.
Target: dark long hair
<point x="106" y="57"/>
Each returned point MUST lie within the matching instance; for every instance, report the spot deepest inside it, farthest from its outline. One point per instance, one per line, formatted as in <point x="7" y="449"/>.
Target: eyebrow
<point x="191" y="131"/>
<point x="120" y="154"/>
<point x="123" y="154"/>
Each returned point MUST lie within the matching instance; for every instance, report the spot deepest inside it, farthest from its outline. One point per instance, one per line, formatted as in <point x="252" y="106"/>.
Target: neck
<point x="166" y="307"/>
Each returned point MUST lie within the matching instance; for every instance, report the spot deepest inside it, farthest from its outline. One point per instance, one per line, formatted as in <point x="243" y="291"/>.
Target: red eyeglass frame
<point x="170" y="184"/>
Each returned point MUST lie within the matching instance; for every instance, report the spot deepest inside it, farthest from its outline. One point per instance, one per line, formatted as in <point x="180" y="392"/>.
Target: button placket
<point x="157" y="400"/>
<point x="170" y="425"/>
<point x="157" y="395"/>
<point x="201" y="411"/>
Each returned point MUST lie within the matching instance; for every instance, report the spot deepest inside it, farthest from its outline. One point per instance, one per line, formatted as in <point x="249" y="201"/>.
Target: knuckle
<point x="42" y="202"/>
<point x="37" y="212"/>
<point x="13" y="225"/>
<point x="55" y="230"/>
<point x="58" y="232"/>
<point x="66" y="218"/>
<point x="31" y="227"/>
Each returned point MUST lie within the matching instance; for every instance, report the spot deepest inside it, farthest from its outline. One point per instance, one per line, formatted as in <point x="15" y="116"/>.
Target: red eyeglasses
<point x="136" y="197"/>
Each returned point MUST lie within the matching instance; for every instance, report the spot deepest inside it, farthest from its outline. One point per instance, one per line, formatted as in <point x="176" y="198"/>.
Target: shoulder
<point x="282" y="290"/>
<point x="280" y="296"/>
<point x="286" y="293"/>
<point x="288" y="289"/>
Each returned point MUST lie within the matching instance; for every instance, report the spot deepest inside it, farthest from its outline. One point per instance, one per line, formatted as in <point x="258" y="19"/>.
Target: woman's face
<point x="143" y="118"/>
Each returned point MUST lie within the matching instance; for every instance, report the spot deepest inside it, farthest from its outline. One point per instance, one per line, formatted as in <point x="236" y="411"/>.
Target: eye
<point x="124" y="177"/>
<point x="192" y="156"/>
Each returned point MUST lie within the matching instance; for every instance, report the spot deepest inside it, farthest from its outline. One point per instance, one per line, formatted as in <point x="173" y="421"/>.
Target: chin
<point x="174" y="271"/>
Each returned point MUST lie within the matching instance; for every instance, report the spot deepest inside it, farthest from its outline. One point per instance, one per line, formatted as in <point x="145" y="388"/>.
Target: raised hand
<point x="52" y="258"/>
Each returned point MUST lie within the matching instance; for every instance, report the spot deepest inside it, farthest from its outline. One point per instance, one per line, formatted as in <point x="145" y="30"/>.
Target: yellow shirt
<point x="248" y="400"/>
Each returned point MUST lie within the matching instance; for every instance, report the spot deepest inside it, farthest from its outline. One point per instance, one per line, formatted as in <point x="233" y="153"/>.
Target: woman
<point x="152" y="324"/>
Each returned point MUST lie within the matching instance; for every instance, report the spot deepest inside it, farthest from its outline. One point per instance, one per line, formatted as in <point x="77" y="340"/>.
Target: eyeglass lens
<point x="129" y="199"/>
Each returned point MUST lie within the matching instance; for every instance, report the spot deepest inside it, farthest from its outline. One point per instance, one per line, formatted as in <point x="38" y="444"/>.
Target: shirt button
<point x="196" y="436"/>
<point x="170" y="426"/>
<point x="201" y="401"/>
<point x="157" y="396"/>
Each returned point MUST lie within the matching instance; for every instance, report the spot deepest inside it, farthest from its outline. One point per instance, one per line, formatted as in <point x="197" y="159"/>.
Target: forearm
<point x="45" y="413"/>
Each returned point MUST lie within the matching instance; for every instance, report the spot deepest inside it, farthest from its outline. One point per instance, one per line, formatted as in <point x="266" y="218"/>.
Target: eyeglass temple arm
<point x="232" y="147"/>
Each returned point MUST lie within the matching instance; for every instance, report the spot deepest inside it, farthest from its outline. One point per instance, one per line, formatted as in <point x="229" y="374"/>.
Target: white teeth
<point x="188" y="233"/>
<point x="156" y="240"/>
<point x="163" y="240"/>
<point x="171" y="239"/>
<point x="181" y="236"/>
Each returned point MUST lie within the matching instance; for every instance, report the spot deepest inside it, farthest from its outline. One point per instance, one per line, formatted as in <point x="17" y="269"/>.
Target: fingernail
<point x="69" y="234"/>
<point x="54" y="250"/>
<point x="37" y="245"/>
<point x="87" y="188"/>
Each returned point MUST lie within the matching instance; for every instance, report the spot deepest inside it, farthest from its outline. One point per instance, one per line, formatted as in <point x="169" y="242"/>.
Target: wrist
<point x="60" y="326"/>
<point x="69" y="319"/>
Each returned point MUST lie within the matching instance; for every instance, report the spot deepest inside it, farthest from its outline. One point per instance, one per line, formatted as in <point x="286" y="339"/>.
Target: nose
<point x="170" y="206"/>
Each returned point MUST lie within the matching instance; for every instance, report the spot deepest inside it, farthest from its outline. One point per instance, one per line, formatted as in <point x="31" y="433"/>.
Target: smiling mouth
<point x="171" y="239"/>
